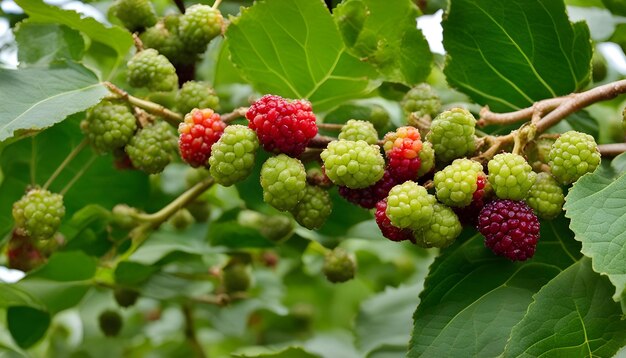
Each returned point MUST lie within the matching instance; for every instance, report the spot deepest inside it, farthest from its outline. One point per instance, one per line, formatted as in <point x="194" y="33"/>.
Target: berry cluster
<point x="179" y="39"/>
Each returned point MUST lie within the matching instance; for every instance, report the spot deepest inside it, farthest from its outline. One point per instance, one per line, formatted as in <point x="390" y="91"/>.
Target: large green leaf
<point x="508" y="54"/>
<point x="596" y="205"/>
<point x="40" y="44"/>
<point x="294" y="49"/>
<point x="384" y="34"/>
<point x="572" y="316"/>
<point x="115" y="37"/>
<point x="473" y="298"/>
<point x="36" y="98"/>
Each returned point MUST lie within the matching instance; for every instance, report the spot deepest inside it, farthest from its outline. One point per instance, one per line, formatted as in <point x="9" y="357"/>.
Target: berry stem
<point x="216" y="4"/>
<point x="330" y="126"/>
<point x="235" y="114"/>
<point x="320" y="141"/>
<point x="151" y="221"/>
<point x="65" y="162"/>
<point x="156" y="219"/>
<point x="138" y="43"/>
<point x="79" y="174"/>
<point x="612" y="150"/>
<point x="171" y="117"/>
<point x="33" y="167"/>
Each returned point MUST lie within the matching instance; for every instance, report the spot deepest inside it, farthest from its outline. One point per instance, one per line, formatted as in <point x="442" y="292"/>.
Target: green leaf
<point x="133" y="273"/>
<point x="508" y="54"/>
<point x="385" y="319"/>
<point x="114" y="37"/>
<point x="384" y="34"/>
<point x="596" y="205"/>
<point x="36" y="98"/>
<point x="27" y="325"/>
<point x="62" y="282"/>
<point x="40" y="44"/>
<point x="57" y="296"/>
<point x="282" y="51"/>
<point x="288" y="352"/>
<point x="231" y="234"/>
<point x="572" y="316"/>
<point x="163" y="242"/>
<point x="67" y="266"/>
<point x="473" y="298"/>
<point x="11" y="295"/>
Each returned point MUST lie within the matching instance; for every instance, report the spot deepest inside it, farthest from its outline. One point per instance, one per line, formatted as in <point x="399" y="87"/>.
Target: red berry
<point x="402" y="148"/>
<point x="200" y="129"/>
<point x="510" y="228"/>
<point x="386" y="228"/>
<point x="368" y="197"/>
<point x="283" y="126"/>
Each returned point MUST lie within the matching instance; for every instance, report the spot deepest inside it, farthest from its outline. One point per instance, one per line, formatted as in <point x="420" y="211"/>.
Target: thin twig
<point x="170" y="116"/>
<point x="216" y="4"/>
<point x="330" y="126"/>
<point x="138" y="43"/>
<point x="487" y="117"/>
<point x="612" y="150"/>
<point x="156" y="219"/>
<point x="320" y="141"/>
<point x="581" y="100"/>
<point x="65" y="162"/>
<point x="235" y="114"/>
<point x="190" y="331"/>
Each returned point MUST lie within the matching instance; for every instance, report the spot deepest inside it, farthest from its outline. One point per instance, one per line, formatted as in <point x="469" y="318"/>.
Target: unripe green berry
<point x="109" y="125"/>
<point x="195" y="94"/>
<point x="573" y="155"/>
<point x="232" y="156"/>
<point x="359" y="130"/>
<point x="452" y="134"/>
<point x="199" y="25"/>
<point x="353" y="164"/>
<point x="314" y="208"/>
<point x="410" y="206"/>
<point x="546" y="197"/>
<point x="456" y="183"/>
<point x="135" y="14"/>
<point x="236" y="278"/>
<point x="443" y="229"/>
<point x="150" y="69"/>
<point x="510" y="176"/>
<point x="38" y="213"/>
<point x="427" y="159"/>
<point x="153" y="147"/>
<point x="421" y="100"/>
<point x="283" y="180"/>
<point x="339" y="266"/>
